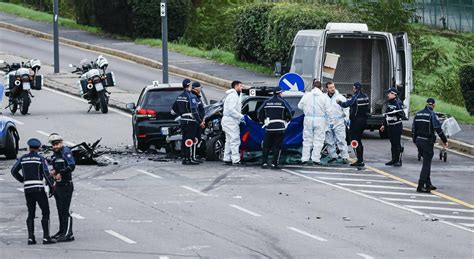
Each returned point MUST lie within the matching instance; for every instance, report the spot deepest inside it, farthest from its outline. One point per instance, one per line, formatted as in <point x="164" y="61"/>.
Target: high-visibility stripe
<point x="33" y="182"/>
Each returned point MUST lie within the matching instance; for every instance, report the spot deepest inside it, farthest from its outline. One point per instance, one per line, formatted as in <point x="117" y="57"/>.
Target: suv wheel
<point x="215" y="148"/>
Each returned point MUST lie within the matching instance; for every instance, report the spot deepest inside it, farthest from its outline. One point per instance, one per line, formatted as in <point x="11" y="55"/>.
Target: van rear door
<point x="404" y="73"/>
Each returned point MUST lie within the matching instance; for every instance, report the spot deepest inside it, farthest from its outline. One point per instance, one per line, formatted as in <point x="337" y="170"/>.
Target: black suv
<point x="152" y="121"/>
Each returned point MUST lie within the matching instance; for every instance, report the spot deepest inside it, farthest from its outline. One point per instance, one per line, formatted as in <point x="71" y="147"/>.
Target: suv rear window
<point x="160" y="100"/>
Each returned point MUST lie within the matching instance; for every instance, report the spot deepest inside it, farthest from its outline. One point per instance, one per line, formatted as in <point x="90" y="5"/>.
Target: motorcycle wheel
<point x="13" y="106"/>
<point x="104" y="104"/>
<point x="215" y="148"/>
<point x="25" y="105"/>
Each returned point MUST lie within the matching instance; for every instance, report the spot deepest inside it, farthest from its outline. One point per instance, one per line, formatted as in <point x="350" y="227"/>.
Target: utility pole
<point x="164" y="39"/>
<point x="56" y="36"/>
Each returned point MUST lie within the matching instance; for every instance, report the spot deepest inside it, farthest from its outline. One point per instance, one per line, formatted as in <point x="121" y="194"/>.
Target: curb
<point x="125" y="55"/>
<point x="457" y="145"/>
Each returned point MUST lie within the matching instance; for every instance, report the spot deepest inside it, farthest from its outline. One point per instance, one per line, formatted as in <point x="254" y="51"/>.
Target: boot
<point x="421" y="187"/>
<point x="68" y="236"/>
<point x="358" y="164"/>
<point x="397" y="163"/>
<point x="193" y="155"/>
<point x="46" y="238"/>
<point x="30" y="224"/>
<point x="391" y="162"/>
<point x="264" y="165"/>
<point x="430" y="186"/>
<point x="61" y="229"/>
<point x="188" y="161"/>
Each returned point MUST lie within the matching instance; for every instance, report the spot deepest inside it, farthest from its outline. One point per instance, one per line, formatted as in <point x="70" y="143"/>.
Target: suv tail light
<point x="142" y="112"/>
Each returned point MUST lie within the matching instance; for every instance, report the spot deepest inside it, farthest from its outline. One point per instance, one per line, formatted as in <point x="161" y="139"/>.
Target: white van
<point x="378" y="60"/>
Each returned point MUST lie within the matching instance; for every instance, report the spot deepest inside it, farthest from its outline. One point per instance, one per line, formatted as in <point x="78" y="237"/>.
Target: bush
<point x="466" y="78"/>
<point x="383" y="15"/>
<point x="110" y="16"/>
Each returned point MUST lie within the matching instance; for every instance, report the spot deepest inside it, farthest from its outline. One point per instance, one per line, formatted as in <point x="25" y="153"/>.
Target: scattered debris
<point x="346" y="218"/>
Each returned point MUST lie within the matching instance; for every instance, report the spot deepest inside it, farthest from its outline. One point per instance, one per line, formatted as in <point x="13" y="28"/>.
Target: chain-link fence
<point x="449" y="14"/>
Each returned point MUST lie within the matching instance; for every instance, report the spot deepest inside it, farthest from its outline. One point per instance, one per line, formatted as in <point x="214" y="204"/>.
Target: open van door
<point x="403" y="73"/>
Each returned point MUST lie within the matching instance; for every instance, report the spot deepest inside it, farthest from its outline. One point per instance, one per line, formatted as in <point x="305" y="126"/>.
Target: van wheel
<point x="11" y="146"/>
<point x="215" y="148"/>
<point x="383" y="134"/>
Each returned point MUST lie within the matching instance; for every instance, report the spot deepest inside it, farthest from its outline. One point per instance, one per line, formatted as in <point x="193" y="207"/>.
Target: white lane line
<point x="20" y="189"/>
<point x="194" y="190"/>
<point x="357" y="180"/>
<point x="419" y="201"/>
<point x="77" y="216"/>
<point x="123" y="238"/>
<point x="439" y="208"/>
<point x="400" y="193"/>
<point x="467" y="225"/>
<point x="348" y="174"/>
<point x="163" y="257"/>
<point x="365" y="256"/>
<point x="150" y="174"/>
<point x="1" y="179"/>
<point x="452" y="217"/>
<point x="307" y="234"/>
<point x="245" y="210"/>
<point x="84" y="101"/>
<point x="16" y="121"/>
<point x="375" y="186"/>
<point x="43" y="133"/>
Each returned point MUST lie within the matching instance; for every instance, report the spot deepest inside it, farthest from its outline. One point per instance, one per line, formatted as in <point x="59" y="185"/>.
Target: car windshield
<point x="160" y="100"/>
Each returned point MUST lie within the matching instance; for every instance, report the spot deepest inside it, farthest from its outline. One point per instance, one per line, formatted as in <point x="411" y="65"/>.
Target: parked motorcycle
<point x="21" y="78"/>
<point x="94" y="81"/>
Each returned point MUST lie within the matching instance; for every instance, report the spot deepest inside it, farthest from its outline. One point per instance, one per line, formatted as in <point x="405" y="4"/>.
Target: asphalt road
<point x="139" y="208"/>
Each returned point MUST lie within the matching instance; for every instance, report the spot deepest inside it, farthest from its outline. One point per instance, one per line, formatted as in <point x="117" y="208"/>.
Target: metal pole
<point x="164" y="39"/>
<point x="56" y="36"/>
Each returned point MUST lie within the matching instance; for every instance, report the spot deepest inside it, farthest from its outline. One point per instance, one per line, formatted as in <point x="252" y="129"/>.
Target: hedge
<point x="466" y="78"/>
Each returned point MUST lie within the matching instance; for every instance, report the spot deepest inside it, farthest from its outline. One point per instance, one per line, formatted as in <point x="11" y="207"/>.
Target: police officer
<point x="275" y="114"/>
<point x="393" y="124"/>
<point x="186" y="106"/>
<point x="358" y="114"/>
<point x="34" y="169"/>
<point x="425" y="125"/>
<point x="196" y="89"/>
<point x="63" y="166"/>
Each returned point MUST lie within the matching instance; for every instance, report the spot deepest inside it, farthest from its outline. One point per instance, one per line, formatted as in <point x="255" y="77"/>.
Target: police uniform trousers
<point x="425" y="146"/>
<point x="273" y="141"/>
<point x="188" y="131"/>
<point x="395" y="135"/>
<point x="357" y="127"/>
<point x="32" y="198"/>
<point x="63" y="195"/>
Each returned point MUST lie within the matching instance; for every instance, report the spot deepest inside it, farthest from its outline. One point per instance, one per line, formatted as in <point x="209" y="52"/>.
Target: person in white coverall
<point x="337" y="117"/>
<point x="232" y="117"/>
<point x="315" y="107"/>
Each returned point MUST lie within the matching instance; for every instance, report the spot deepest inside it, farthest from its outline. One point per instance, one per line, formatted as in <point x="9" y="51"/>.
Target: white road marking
<point x="16" y="121"/>
<point x="194" y="190"/>
<point x="245" y="210"/>
<point x="452" y="217"/>
<point x="357" y="180"/>
<point x="375" y="186"/>
<point x="400" y="193"/>
<point x="123" y="238"/>
<point x="163" y="257"/>
<point x="468" y="225"/>
<point x="365" y="256"/>
<point x="85" y="101"/>
<point x="439" y="208"/>
<point x="307" y="234"/>
<point x="20" y="189"/>
<point x="348" y="174"/>
<point x="419" y="201"/>
<point x="43" y="133"/>
<point x="1" y="179"/>
<point x="149" y="174"/>
<point x="77" y="216"/>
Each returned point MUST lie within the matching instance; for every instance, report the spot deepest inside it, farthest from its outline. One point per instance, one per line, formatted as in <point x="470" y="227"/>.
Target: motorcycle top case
<point x="38" y="83"/>
<point x="109" y="79"/>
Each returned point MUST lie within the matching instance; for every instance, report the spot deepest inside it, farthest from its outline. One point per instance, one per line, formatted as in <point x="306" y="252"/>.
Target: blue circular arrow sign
<point x="291" y="82"/>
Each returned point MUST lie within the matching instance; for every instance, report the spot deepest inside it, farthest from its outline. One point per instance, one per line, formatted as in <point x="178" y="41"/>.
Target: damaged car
<point x="9" y="138"/>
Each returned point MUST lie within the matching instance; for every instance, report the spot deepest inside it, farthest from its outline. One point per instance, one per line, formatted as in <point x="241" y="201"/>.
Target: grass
<point x="43" y="17"/>
<point x="418" y="102"/>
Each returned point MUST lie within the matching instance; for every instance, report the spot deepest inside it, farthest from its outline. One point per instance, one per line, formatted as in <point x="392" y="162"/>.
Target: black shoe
<point x="358" y="164"/>
<point x="49" y="240"/>
<point x="227" y="162"/>
<point x="431" y="187"/>
<point x="309" y="163"/>
<point x="317" y="163"/>
<point x="273" y="166"/>
<point x="31" y="241"/>
<point x="57" y="235"/>
<point x="390" y="163"/>
<point x="198" y="160"/>
<point x="264" y="166"/>
<point x="66" y="238"/>
<point x="397" y="164"/>
<point x="422" y="189"/>
<point x="237" y="164"/>
<point x="332" y="160"/>
<point x="189" y="162"/>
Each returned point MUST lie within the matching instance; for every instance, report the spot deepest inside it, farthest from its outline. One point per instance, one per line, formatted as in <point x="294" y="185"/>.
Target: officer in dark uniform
<point x="275" y="114"/>
<point x="425" y="125"/>
<point x="358" y="114"/>
<point x="63" y="166"/>
<point x="196" y="89"/>
<point x="393" y="124"/>
<point x="34" y="169"/>
<point x="186" y="106"/>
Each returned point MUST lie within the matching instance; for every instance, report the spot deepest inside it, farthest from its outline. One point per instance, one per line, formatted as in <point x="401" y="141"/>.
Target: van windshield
<point x="303" y="60"/>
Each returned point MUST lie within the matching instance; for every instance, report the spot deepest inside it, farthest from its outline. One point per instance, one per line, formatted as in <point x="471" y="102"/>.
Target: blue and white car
<point x="9" y="138"/>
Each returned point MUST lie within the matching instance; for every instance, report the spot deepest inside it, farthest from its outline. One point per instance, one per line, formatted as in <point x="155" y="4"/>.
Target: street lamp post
<point x="164" y="39"/>
<point x="56" y="37"/>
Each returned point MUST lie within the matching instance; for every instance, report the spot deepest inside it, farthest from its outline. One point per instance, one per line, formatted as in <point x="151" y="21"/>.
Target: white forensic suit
<point x="336" y="132"/>
<point x="315" y="106"/>
<point x="231" y="119"/>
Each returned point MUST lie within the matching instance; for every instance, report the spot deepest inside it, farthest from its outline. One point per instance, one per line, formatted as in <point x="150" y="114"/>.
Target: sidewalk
<point x="199" y="65"/>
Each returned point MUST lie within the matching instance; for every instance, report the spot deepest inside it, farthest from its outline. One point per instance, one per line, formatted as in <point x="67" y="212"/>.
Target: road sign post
<point x="291" y="82"/>
<point x="164" y="39"/>
<point x="56" y="36"/>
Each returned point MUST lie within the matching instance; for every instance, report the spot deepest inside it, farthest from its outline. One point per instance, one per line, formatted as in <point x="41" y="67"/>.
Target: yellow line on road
<point x="442" y="195"/>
